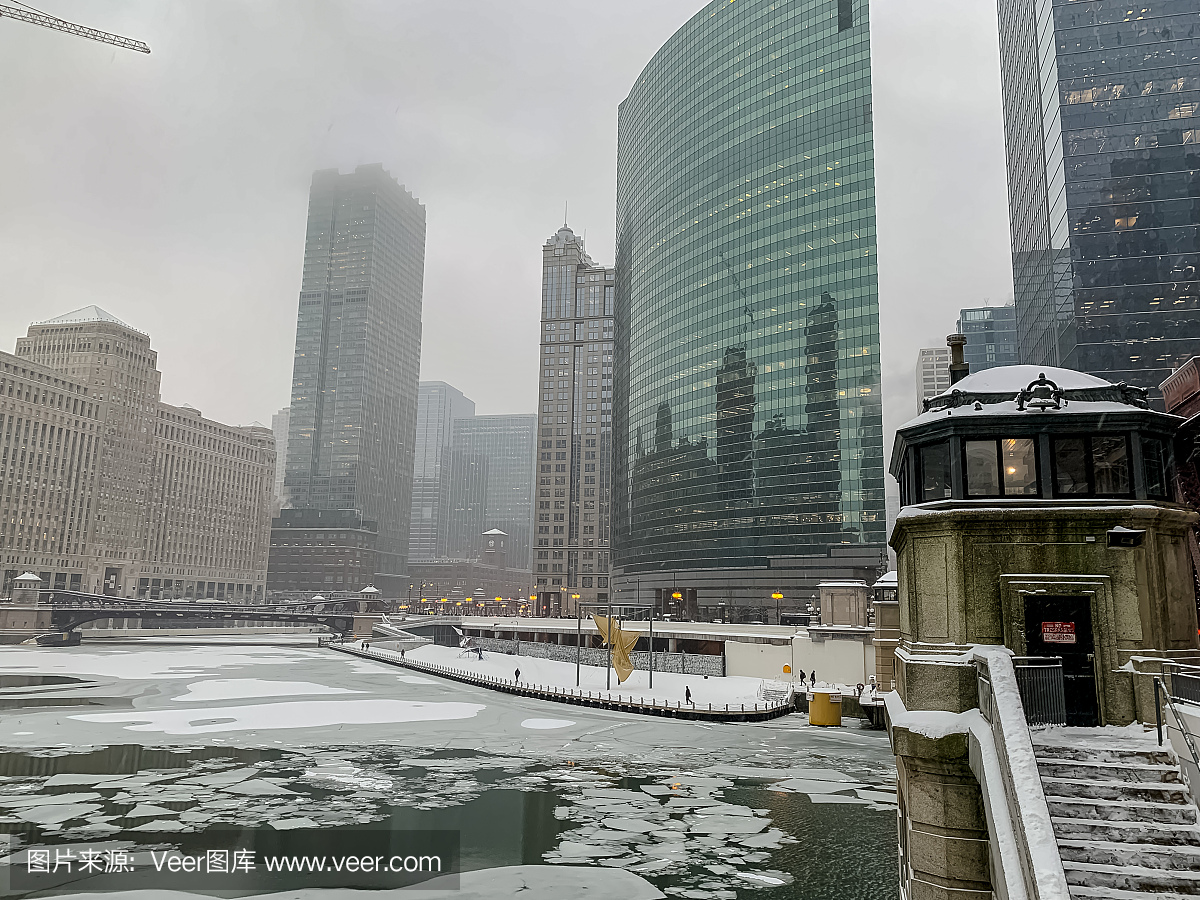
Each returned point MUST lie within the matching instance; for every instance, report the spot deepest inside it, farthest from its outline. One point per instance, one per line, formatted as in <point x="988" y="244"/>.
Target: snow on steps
<point x="1125" y="823"/>
<point x="1122" y="853"/>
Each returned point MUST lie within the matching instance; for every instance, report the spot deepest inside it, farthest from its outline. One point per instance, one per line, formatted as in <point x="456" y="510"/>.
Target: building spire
<point x="564" y="214"/>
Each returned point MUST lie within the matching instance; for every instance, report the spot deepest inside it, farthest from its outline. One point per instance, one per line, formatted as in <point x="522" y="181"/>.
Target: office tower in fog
<point x="497" y="454"/>
<point x="933" y="373"/>
<point x="991" y="333"/>
<point x="279" y="428"/>
<point x="358" y="354"/>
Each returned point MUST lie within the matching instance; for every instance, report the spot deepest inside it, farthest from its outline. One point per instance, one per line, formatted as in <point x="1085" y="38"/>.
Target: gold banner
<point x="621" y="642"/>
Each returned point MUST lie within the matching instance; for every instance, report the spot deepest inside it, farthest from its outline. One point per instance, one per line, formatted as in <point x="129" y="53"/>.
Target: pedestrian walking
<point x="517" y="675"/>
<point x="813" y="677"/>
<point x="687" y="695"/>
<point x="402" y="653"/>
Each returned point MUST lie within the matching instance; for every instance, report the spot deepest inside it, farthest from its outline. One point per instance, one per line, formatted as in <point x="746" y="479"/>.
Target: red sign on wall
<point x="1058" y="632"/>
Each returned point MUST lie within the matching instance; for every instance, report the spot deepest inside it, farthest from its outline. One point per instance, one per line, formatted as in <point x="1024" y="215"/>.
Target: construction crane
<point x="36" y="17"/>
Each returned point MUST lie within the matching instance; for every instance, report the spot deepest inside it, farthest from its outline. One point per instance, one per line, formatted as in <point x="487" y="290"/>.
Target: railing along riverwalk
<point x="744" y="712"/>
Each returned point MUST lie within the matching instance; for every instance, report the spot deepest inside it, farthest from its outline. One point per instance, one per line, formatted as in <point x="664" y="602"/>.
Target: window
<point x="983" y="468"/>
<point x="1019" y="463"/>
<point x="1154" y="454"/>
<point x="1096" y="465"/>
<point x="935" y="471"/>
<point x="1110" y="464"/>
<point x="1001" y="468"/>
<point x="1070" y="466"/>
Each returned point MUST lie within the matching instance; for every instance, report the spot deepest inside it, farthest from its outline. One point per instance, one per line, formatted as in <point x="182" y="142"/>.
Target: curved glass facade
<point x="747" y="419"/>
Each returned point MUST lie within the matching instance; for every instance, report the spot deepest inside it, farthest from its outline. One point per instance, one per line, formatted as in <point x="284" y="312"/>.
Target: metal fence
<point x="1040" y="681"/>
<point x="1183" y="682"/>
<point x="679" y="663"/>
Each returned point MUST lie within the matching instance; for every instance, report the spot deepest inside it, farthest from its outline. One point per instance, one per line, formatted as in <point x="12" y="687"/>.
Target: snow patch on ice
<point x="546" y="724"/>
<point x="300" y="714"/>
<point x="245" y="688"/>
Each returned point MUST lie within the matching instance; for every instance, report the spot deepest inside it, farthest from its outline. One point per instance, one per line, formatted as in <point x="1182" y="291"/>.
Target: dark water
<point x="508" y="811"/>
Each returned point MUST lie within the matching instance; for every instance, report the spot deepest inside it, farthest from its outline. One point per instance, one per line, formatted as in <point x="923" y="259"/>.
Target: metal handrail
<point x="1159" y="687"/>
<point x="1036" y="661"/>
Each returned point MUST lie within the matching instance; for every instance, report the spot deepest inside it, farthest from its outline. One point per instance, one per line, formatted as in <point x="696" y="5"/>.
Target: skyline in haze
<point x="176" y="191"/>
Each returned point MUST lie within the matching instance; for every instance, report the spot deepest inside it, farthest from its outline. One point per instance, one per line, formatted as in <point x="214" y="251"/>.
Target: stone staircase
<point x="1124" y="819"/>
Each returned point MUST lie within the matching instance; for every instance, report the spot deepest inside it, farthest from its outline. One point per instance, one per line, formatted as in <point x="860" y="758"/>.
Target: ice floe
<point x="546" y="724"/>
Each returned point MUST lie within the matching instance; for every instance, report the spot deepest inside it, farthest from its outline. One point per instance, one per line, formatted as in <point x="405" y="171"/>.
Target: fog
<point x="171" y="189"/>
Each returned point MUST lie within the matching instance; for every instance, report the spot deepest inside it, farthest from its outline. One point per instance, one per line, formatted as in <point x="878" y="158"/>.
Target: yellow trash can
<point x="825" y="707"/>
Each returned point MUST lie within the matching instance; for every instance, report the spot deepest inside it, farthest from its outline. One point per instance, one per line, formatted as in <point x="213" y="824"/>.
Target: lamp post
<point x="578" y="636"/>
<point x="608" y="671"/>
<point x="777" y="597"/>
<point x="651" y="642"/>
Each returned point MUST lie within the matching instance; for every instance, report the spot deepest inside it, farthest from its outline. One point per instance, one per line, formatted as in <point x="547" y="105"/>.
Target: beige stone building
<point x="571" y="553"/>
<point x="105" y="489"/>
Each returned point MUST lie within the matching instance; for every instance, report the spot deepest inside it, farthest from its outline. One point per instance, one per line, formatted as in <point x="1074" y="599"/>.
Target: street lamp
<point x="578" y="636"/>
<point x="777" y="596"/>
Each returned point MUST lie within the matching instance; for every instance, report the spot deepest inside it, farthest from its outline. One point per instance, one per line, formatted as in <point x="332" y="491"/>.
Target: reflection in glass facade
<point x="747" y="424"/>
<point x="1100" y="106"/>
<point x="358" y="353"/>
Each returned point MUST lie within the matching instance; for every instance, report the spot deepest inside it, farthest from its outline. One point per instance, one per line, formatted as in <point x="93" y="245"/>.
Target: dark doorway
<point x="1062" y="627"/>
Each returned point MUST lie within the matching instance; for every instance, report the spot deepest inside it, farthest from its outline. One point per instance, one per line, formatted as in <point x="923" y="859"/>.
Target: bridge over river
<point x="63" y="612"/>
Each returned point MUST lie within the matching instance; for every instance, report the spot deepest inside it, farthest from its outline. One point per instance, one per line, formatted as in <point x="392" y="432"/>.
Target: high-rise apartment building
<point x="933" y="374"/>
<point x="279" y="428"/>
<point x="574" y="452"/>
<point x="748" y="437"/>
<point x="499" y="452"/>
<point x="106" y="489"/>
<point x="1100" y="106"/>
<point x="358" y="354"/>
<point x="991" y="333"/>
<point x="438" y="405"/>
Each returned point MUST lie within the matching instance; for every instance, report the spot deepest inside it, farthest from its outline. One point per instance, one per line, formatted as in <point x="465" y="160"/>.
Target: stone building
<point x="574" y="447"/>
<point x="321" y="551"/>
<point x="208" y="511"/>
<point x="1043" y="577"/>
<point x="91" y="462"/>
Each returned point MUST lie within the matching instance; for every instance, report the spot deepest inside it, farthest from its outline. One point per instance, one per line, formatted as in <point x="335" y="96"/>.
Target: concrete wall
<point x="842" y="660"/>
<point x="963" y="571"/>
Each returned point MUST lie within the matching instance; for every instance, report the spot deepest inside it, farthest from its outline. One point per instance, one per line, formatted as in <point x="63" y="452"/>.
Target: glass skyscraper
<point x="358" y="353"/>
<point x="438" y="405"/>
<point x="497" y="453"/>
<point x="991" y="333"/>
<point x="1100" y="112"/>
<point x="748" y="439"/>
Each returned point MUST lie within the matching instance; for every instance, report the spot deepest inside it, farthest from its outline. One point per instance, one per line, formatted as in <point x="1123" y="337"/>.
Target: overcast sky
<point x="171" y="189"/>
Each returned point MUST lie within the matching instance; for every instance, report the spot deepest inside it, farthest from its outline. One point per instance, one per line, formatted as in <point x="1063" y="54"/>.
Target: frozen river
<point x="160" y="742"/>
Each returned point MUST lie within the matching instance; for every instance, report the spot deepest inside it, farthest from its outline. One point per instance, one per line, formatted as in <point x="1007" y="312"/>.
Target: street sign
<point x="1058" y="632"/>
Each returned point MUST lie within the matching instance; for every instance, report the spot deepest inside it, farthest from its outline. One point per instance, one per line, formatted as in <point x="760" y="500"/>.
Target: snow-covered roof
<point x="497" y="531"/>
<point x="1011" y="379"/>
<point x="888" y="579"/>
<point x="1030" y="390"/>
<point x="86" y="314"/>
